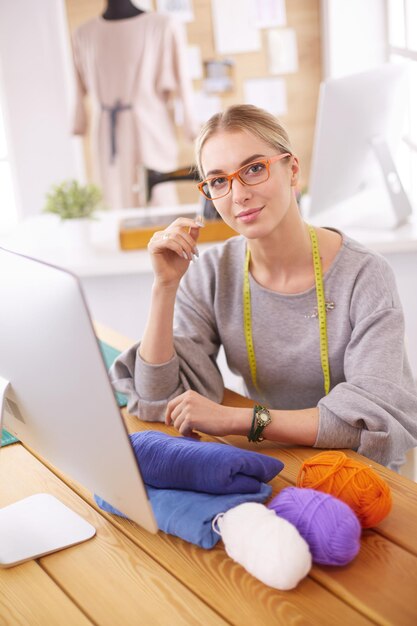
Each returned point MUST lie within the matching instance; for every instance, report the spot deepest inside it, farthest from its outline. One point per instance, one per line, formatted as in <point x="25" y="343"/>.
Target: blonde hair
<point x="246" y="117"/>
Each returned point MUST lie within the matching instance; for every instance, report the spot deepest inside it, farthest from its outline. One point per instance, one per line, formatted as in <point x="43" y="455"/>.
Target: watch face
<point x="263" y="418"/>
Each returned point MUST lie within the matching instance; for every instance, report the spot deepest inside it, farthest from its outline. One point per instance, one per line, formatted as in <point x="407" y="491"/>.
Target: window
<point x="402" y="46"/>
<point x="8" y="212"/>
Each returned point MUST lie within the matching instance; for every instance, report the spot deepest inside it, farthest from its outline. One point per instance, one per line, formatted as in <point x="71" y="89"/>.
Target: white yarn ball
<point x="267" y="546"/>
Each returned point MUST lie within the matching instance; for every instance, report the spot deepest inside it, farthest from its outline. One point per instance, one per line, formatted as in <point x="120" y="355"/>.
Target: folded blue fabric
<point x="185" y="463"/>
<point x="189" y="514"/>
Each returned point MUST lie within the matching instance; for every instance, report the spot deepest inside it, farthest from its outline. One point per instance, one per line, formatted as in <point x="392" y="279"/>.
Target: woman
<point x="310" y="319"/>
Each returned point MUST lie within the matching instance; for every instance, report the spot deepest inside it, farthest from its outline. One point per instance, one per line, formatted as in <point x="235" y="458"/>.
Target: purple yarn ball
<point x="328" y="525"/>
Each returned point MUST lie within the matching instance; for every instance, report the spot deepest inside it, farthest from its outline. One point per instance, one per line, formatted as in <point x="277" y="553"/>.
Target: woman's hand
<point x="172" y="250"/>
<point x="190" y="411"/>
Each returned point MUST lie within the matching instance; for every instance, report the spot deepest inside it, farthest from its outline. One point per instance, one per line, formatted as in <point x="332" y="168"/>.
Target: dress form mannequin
<point x="131" y="63"/>
<point x="120" y="10"/>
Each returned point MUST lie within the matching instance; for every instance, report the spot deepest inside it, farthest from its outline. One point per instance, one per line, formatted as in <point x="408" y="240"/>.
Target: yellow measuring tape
<point x="321" y="309"/>
<point x="321" y="314"/>
<point x="247" y="322"/>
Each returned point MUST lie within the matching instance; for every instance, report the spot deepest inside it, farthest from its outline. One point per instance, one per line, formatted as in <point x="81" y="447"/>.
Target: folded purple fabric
<point x="168" y="462"/>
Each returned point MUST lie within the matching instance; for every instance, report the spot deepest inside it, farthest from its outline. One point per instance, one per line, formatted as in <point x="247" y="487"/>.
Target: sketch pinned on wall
<point x="218" y="76"/>
<point x="267" y="93"/>
<point x="268" y="13"/>
<point x="181" y="9"/>
<point x="282" y="51"/>
<point x="233" y="27"/>
<point x="195" y="66"/>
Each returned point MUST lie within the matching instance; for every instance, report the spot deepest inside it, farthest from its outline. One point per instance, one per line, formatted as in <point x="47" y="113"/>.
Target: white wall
<point x="353" y="36"/>
<point x="36" y="86"/>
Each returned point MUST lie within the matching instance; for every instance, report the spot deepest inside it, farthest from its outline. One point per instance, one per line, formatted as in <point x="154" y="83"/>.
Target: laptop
<point x="55" y="393"/>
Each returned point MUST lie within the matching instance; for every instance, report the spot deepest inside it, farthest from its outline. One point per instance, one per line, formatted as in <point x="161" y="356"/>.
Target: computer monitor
<point x="353" y="176"/>
<point x="55" y="393"/>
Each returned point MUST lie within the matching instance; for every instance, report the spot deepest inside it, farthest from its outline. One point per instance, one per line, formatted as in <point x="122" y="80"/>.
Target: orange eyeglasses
<point x="251" y="174"/>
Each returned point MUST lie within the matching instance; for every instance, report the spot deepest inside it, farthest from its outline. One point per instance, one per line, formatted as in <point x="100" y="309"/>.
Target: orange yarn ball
<point x="351" y="481"/>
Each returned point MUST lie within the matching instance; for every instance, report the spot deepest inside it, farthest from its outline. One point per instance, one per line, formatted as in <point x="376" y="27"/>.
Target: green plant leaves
<point x="70" y="200"/>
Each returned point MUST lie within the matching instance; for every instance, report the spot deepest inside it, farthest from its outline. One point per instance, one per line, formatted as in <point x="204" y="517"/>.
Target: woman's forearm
<point x="157" y="345"/>
<point x="298" y="427"/>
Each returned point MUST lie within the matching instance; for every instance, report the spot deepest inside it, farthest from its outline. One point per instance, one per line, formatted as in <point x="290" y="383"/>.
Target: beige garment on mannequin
<point x="138" y="64"/>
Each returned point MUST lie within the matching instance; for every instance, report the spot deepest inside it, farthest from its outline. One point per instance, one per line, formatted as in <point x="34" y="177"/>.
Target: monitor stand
<point x="39" y="524"/>
<point x="399" y="200"/>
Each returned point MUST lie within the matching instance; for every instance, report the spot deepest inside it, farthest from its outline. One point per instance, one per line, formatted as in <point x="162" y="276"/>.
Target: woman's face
<point x="253" y="211"/>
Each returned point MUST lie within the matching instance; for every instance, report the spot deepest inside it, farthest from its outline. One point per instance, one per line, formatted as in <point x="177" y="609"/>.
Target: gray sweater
<point x="372" y="403"/>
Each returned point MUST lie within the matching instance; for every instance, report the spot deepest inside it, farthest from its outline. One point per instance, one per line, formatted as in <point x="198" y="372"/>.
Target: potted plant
<point x="75" y="204"/>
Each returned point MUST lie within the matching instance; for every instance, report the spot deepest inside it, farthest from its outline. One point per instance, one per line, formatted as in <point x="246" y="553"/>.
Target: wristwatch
<point x="261" y="419"/>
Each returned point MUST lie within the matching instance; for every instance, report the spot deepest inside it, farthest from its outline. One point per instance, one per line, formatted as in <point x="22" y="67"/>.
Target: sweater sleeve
<point x="193" y="366"/>
<point x="375" y="410"/>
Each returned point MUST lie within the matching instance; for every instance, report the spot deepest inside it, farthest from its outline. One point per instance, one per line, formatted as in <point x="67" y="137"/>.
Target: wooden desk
<point x="125" y="575"/>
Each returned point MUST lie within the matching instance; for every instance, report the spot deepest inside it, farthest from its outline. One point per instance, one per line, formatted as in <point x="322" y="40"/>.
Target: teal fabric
<point x="7" y="438"/>
<point x="109" y="354"/>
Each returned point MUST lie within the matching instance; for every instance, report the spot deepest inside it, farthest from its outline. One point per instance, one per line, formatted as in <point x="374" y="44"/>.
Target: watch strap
<point x="257" y="426"/>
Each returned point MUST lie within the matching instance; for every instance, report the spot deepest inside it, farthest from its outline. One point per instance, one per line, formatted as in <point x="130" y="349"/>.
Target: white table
<point x="117" y="283"/>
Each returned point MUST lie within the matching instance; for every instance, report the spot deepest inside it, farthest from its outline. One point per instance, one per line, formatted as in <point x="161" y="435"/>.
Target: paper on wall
<point x="146" y="5"/>
<point x="181" y="9"/>
<point x="267" y="93"/>
<point x="234" y="30"/>
<point x="218" y="75"/>
<point x="204" y="106"/>
<point x="269" y="13"/>
<point x="282" y="51"/>
<point x="195" y="66"/>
